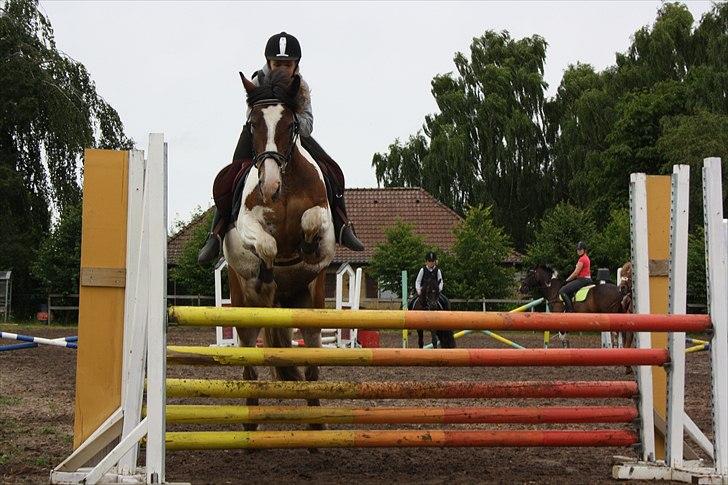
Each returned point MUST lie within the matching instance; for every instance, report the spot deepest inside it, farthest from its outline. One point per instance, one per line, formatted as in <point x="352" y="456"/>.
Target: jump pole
<point x="440" y="320"/>
<point x="231" y="414"/>
<point x="210" y="440"/>
<point x="494" y="335"/>
<point x="239" y="389"/>
<point x="384" y="357"/>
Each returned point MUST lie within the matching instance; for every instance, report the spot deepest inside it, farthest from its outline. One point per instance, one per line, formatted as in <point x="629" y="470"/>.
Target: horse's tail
<point x="281" y="338"/>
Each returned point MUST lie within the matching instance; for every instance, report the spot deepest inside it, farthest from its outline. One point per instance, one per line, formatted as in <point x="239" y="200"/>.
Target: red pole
<point x="564" y="322"/>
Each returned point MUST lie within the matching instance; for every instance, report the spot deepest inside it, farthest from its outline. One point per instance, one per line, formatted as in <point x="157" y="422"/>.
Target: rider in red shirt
<point x="579" y="278"/>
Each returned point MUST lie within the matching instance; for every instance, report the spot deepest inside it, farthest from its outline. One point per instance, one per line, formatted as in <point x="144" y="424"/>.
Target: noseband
<point x="279" y="158"/>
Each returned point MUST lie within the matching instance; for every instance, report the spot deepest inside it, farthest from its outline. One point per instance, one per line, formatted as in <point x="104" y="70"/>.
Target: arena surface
<point x="36" y="423"/>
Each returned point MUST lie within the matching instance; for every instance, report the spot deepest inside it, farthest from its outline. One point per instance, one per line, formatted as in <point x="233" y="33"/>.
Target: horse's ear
<point x="295" y="85"/>
<point x="249" y="86"/>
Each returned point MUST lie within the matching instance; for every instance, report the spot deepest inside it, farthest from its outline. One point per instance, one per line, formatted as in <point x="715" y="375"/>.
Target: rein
<point x="279" y="158"/>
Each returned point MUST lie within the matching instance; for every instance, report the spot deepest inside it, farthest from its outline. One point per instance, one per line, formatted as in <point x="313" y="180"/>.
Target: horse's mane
<point x="277" y="85"/>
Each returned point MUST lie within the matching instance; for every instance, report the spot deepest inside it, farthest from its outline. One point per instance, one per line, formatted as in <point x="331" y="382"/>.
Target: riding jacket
<point x="426" y="274"/>
<point x="305" y="116"/>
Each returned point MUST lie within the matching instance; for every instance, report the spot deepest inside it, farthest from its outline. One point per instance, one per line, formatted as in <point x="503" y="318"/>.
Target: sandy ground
<point x="36" y="423"/>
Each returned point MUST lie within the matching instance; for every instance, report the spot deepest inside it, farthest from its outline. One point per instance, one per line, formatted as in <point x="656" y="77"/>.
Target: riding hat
<point x="581" y="245"/>
<point x="431" y="256"/>
<point x="283" y="46"/>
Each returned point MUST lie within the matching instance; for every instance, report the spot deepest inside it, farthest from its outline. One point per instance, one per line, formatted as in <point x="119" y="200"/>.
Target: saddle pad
<point x="581" y="294"/>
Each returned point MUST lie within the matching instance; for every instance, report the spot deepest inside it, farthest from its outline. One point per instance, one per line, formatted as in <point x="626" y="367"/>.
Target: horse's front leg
<point x="249" y="338"/>
<point x="317" y="231"/>
<point x="421" y="339"/>
<point x="435" y="340"/>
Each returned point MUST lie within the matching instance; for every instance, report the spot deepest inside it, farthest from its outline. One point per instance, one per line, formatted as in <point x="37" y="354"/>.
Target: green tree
<point x="486" y="145"/>
<point x="474" y="267"/>
<point x="687" y="140"/>
<point x="611" y="246"/>
<point x="188" y="274"/>
<point x="555" y="241"/>
<point x="697" y="287"/>
<point x="403" y="250"/>
<point x="50" y="113"/>
<point x="59" y="257"/>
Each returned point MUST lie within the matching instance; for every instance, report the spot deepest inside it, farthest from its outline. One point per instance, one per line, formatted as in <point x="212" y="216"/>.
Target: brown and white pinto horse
<point x="283" y="238"/>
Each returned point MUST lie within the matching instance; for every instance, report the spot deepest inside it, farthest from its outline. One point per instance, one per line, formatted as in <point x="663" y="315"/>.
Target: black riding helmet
<point x="283" y="46"/>
<point x="581" y="245"/>
<point x="431" y="256"/>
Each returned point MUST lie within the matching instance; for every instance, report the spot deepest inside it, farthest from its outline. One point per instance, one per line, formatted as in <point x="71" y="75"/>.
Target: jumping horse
<point x="283" y="238"/>
<point x="429" y="300"/>
<point x="600" y="298"/>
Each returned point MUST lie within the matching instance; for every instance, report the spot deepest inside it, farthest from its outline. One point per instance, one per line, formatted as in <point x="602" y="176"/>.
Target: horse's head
<point x="431" y="294"/>
<point x="625" y="279"/>
<point x="537" y="277"/>
<point x="274" y="128"/>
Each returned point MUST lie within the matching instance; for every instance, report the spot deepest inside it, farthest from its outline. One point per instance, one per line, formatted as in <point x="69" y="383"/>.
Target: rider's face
<point x="430" y="264"/>
<point x="287" y="66"/>
<point x="580" y="252"/>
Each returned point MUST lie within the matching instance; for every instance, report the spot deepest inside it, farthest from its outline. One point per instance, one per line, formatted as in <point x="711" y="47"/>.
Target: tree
<point x="697" y="287"/>
<point x="50" y="113"/>
<point x="474" y="267"/>
<point x="555" y="241"/>
<point x="192" y="277"/>
<point x="687" y="140"/>
<point x="58" y="261"/>
<point x="611" y="246"/>
<point x="403" y="250"/>
<point x="486" y="145"/>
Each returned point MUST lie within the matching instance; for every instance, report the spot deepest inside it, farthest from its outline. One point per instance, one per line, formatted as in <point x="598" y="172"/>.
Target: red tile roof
<point x="374" y="210"/>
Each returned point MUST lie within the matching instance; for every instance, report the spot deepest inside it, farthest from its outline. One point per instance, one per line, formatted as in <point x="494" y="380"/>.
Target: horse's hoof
<point x="314" y="451"/>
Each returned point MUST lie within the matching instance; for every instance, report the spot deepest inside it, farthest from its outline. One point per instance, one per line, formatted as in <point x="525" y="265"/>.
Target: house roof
<point x="176" y="242"/>
<point x="372" y="211"/>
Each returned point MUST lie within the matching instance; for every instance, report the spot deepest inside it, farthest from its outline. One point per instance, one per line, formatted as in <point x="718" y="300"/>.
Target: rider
<point x="282" y="52"/>
<point x="430" y="271"/>
<point x="579" y="278"/>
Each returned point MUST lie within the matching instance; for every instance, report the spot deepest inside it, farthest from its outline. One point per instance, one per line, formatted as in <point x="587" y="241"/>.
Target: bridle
<point x="280" y="159"/>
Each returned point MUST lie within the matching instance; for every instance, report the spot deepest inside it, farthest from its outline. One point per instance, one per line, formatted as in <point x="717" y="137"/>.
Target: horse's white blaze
<point x="272" y="179"/>
<point x="272" y="115"/>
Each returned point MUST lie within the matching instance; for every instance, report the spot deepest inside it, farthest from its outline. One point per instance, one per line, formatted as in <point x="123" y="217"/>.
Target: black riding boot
<point x="210" y="252"/>
<point x="343" y="227"/>
<point x="568" y="306"/>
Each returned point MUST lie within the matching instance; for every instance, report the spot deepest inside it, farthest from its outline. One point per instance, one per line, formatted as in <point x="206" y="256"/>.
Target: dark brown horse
<point x="601" y="298"/>
<point x="283" y="239"/>
<point x="429" y="299"/>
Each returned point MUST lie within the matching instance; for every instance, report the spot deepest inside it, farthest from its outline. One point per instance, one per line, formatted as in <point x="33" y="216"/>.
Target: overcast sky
<point x="172" y="67"/>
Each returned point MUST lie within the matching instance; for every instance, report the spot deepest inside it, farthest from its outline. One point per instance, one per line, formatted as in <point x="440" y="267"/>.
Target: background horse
<point x="283" y="238"/>
<point x="429" y="299"/>
<point x="602" y="298"/>
<point x="625" y="289"/>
